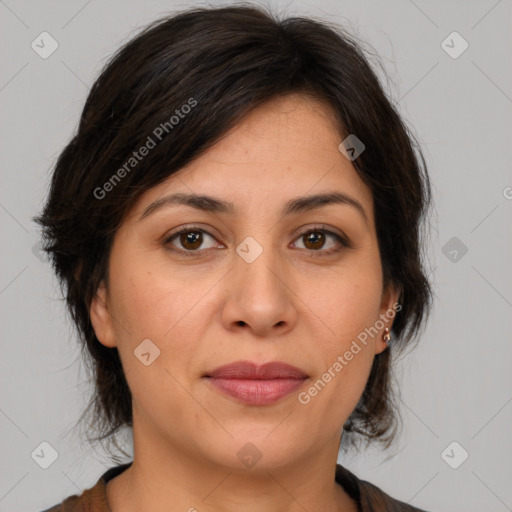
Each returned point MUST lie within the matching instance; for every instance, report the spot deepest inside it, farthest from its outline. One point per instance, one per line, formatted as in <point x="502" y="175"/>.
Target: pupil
<point x="192" y="237"/>
<point x="311" y="237"/>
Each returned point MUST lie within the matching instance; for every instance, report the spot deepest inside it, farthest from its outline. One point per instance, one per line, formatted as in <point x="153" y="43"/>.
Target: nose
<point x="260" y="297"/>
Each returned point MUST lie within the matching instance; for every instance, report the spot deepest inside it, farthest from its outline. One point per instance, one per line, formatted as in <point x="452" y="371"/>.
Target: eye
<point x="190" y="238"/>
<point x="314" y="239"/>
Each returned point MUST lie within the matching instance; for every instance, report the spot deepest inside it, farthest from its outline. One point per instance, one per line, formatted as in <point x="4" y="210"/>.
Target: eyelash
<point x="344" y="243"/>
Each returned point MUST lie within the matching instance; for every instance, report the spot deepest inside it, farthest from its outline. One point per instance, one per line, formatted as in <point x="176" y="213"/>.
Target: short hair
<point x="223" y="63"/>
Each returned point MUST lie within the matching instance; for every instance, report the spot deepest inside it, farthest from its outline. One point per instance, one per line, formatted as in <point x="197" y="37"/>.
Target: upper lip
<point x="250" y="370"/>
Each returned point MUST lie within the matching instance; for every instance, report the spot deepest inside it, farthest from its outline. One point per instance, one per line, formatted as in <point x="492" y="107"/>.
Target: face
<point x="192" y="288"/>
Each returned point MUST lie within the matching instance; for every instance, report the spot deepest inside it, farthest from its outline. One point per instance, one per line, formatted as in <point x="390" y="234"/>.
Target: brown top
<point x="368" y="497"/>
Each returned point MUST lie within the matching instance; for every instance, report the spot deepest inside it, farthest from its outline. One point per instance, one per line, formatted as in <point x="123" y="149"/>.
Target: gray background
<point x="456" y="384"/>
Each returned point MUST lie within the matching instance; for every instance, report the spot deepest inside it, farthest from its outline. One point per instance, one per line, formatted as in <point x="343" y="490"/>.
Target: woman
<point x="236" y="225"/>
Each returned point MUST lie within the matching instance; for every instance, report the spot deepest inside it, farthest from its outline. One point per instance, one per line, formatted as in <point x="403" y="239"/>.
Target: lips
<point x="256" y="384"/>
<point x="248" y="370"/>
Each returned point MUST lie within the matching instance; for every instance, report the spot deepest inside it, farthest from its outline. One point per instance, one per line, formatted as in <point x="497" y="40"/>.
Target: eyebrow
<point x="214" y="205"/>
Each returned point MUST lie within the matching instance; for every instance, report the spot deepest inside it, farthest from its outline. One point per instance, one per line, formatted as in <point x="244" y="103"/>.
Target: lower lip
<point x="257" y="392"/>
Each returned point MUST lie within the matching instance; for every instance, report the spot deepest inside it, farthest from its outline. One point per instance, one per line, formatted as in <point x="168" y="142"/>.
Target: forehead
<point x="285" y="148"/>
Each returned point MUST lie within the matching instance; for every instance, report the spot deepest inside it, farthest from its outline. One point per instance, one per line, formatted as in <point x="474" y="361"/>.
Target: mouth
<point x="256" y="385"/>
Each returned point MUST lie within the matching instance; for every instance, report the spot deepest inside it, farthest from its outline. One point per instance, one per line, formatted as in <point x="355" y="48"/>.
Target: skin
<point x="215" y="308"/>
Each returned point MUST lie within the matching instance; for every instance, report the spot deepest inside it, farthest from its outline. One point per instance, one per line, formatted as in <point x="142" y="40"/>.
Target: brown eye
<point x="314" y="240"/>
<point x="189" y="240"/>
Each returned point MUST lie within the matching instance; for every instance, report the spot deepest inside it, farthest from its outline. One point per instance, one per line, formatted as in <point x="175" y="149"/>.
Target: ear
<point x="101" y="319"/>
<point x="388" y="309"/>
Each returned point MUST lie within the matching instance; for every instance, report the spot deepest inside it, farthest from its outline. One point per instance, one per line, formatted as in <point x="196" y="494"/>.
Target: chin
<point x="261" y="449"/>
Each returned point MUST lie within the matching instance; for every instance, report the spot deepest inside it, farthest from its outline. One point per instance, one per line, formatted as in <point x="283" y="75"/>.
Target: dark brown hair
<point x="222" y="63"/>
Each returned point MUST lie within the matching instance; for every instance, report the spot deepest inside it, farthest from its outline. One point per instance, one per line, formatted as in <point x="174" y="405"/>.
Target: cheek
<point x="149" y="297"/>
<point x="348" y="304"/>
<point x="150" y="304"/>
<point x="151" y="300"/>
<point x="347" y="301"/>
<point x="335" y="391"/>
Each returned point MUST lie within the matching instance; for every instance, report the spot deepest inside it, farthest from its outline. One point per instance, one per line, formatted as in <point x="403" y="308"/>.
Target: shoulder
<point x="90" y="499"/>
<point x="376" y="499"/>
<point x="93" y="499"/>
<point x="370" y="497"/>
<point x="68" y="505"/>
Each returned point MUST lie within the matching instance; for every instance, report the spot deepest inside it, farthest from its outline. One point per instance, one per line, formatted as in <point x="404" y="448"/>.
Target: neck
<point x="174" y="479"/>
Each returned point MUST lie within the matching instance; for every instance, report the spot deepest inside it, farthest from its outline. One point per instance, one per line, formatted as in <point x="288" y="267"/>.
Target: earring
<point x="386" y="337"/>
